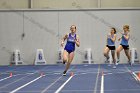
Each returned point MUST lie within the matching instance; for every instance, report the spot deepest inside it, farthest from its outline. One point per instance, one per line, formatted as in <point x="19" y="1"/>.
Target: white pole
<point x="133" y="55"/>
<point x="110" y="58"/>
<point x="89" y="55"/>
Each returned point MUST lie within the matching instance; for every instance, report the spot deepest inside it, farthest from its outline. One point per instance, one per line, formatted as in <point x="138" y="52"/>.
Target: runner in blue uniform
<point x="124" y="44"/>
<point x="68" y="54"/>
<point x="111" y="38"/>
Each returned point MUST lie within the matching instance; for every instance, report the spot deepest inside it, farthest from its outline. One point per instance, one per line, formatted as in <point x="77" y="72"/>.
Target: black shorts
<point x="111" y="47"/>
<point x="125" y="47"/>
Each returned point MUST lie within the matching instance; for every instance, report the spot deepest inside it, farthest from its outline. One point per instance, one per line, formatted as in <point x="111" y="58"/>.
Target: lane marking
<point x="30" y="81"/>
<point x="21" y="74"/>
<point x="133" y="74"/>
<point x="136" y="77"/>
<point x="56" y="80"/>
<point x="51" y="84"/>
<point x="102" y="84"/>
<point x="81" y="91"/>
<point x="97" y="78"/>
<point x="14" y="76"/>
<point x="25" y="85"/>
<point x="13" y="82"/>
<point x="28" y="74"/>
<point x="62" y="86"/>
<point x="4" y="78"/>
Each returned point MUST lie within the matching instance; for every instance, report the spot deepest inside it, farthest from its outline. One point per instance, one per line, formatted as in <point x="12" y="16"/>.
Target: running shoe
<point x="107" y="60"/>
<point x="114" y="66"/>
<point x="117" y="62"/>
<point x="64" y="73"/>
<point x="130" y="63"/>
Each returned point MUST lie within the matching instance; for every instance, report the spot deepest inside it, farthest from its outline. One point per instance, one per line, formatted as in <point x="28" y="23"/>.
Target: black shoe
<point x="64" y="73"/>
<point x="130" y="63"/>
<point x="64" y="62"/>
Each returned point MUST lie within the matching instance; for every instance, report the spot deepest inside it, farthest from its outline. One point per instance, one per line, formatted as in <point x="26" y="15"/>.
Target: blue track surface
<point x="86" y="79"/>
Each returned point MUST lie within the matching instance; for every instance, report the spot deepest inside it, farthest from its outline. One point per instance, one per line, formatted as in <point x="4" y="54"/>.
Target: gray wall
<point x="43" y="29"/>
<point x="68" y="4"/>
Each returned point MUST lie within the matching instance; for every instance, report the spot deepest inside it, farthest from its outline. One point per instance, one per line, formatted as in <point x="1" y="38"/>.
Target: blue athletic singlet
<point x="110" y="42"/>
<point x="70" y="45"/>
<point x="124" y="41"/>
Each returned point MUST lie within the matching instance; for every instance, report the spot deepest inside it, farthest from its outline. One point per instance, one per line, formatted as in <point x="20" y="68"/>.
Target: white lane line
<point x="13" y="82"/>
<point x="55" y="80"/>
<point x="133" y="74"/>
<point x="102" y="84"/>
<point x="25" y="85"/>
<point x="51" y="85"/>
<point x="11" y="77"/>
<point x="62" y="86"/>
<point x="5" y="78"/>
<point x="97" y="78"/>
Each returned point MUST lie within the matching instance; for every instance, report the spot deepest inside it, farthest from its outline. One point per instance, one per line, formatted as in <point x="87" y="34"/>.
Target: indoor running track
<point x="83" y="78"/>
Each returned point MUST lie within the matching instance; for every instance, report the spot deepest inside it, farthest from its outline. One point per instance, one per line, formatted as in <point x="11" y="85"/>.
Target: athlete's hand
<point x="121" y="33"/>
<point x="77" y="42"/>
<point x="119" y="39"/>
<point x="62" y="44"/>
<point x="109" y="36"/>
